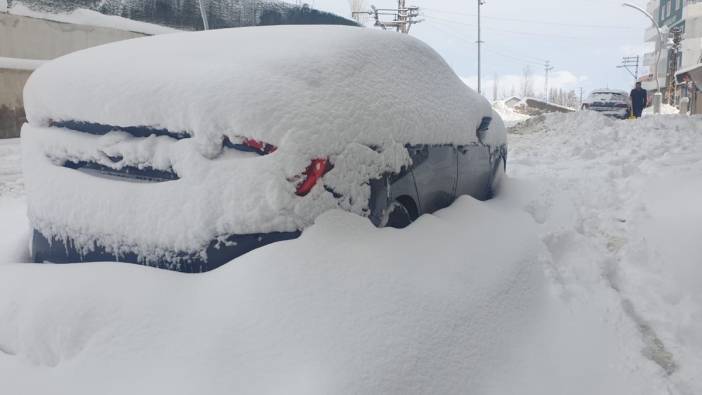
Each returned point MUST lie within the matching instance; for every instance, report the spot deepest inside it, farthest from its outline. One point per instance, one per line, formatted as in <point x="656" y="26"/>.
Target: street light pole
<point x="657" y="97"/>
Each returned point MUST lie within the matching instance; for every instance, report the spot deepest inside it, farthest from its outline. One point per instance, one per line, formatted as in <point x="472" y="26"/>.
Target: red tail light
<point x="314" y="172"/>
<point x="259" y="146"/>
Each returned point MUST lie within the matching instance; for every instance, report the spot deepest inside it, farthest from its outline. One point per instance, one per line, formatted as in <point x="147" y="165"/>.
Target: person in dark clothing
<point x="639" y="98"/>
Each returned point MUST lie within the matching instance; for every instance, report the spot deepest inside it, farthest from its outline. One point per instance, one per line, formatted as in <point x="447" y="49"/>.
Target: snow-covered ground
<point x="580" y="278"/>
<point x="666" y="109"/>
<point x="14" y="225"/>
<point x="507" y="113"/>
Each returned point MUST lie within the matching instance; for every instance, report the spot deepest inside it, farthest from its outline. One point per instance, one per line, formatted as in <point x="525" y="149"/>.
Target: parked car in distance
<point x="609" y="102"/>
<point x="184" y="151"/>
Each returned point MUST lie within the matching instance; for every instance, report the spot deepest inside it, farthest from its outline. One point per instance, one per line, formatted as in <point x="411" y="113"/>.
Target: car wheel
<point x="397" y="216"/>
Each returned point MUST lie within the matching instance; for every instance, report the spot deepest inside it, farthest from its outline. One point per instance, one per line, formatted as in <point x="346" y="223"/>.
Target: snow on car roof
<point x="267" y="83"/>
<point x="609" y="91"/>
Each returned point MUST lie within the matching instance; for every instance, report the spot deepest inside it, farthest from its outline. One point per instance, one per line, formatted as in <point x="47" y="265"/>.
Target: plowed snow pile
<point x="619" y="205"/>
<point x="582" y="277"/>
<point x="507" y="113"/>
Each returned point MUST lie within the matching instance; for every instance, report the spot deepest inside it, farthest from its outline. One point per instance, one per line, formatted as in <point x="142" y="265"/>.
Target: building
<point x="685" y="15"/>
<point x="25" y="43"/>
<point x="690" y="82"/>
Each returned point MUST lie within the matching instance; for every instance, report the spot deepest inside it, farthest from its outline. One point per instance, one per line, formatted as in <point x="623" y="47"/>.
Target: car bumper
<point x="219" y="252"/>
<point x="618" y="113"/>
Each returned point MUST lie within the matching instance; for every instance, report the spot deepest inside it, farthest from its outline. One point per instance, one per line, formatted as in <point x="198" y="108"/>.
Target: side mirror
<point x="482" y="130"/>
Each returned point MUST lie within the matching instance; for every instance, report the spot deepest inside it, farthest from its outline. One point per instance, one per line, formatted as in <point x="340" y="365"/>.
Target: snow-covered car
<point x="184" y="151"/>
<point x="609" y="102"/>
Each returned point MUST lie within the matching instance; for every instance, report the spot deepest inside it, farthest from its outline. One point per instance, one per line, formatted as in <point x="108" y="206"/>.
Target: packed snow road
<point x="580" y="278"/>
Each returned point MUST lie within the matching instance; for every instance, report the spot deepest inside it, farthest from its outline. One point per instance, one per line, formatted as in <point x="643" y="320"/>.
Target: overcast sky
<point x="584" y="39"/>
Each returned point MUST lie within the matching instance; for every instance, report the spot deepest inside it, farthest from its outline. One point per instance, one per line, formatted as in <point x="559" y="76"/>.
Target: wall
<point x="11" y="108"/>
<point x="30" y="38"/>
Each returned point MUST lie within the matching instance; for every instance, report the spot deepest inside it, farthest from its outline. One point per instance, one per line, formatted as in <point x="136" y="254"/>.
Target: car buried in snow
<point x="184" y="151"/>
<point x="609" y="102"/>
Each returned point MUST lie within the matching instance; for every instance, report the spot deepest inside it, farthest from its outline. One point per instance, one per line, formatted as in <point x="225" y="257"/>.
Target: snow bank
<point x="14" y="225"/>
<point x="11" y="183"/>
<point x="666" y="109"/>
<point x="455" y="303"/>
<point x="347" y="308"/>
<point x="627" y="192"/>
<point x="20" y="64"/>
<point x="312" y="91"/>
<point x="87" y="17"/>
<point x="14" y="230"/>
<point x="508" y="115"/>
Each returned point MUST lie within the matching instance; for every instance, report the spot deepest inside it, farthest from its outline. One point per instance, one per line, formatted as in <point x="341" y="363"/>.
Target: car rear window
<point x="608" y="97"/>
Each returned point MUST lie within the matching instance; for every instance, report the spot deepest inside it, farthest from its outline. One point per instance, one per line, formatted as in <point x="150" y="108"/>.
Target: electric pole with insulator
<point x="547" y="70"/>
<point x="629" y="63"/>
<point x="403" y="17"/>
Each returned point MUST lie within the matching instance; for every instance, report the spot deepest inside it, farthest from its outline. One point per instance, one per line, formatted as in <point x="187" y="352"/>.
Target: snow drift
<point x="346" y="308"/>
<point x="605" y="210"/>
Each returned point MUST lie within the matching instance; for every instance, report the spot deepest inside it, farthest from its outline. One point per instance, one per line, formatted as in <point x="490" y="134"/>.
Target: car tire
<point x="397" y="216"/>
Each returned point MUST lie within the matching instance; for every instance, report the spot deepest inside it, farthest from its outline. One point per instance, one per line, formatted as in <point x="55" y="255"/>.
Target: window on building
<point x="664" y="11"/>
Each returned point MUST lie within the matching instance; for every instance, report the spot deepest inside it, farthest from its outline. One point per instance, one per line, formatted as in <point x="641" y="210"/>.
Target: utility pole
<point x="205" y="24"/>
<point x="581" y="96"/>
<point x="480" y="43"/>
<point x="403" y="16"/>
<point x="629" y="62"/>
<point x="547" y="69"/>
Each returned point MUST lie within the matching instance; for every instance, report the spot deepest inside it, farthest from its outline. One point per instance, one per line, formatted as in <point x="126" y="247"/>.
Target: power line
<point x="520" y="33"/>
<point x="547" y="68"/>
<point x="516" y="57"/>
<point x="536" y="21"/>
